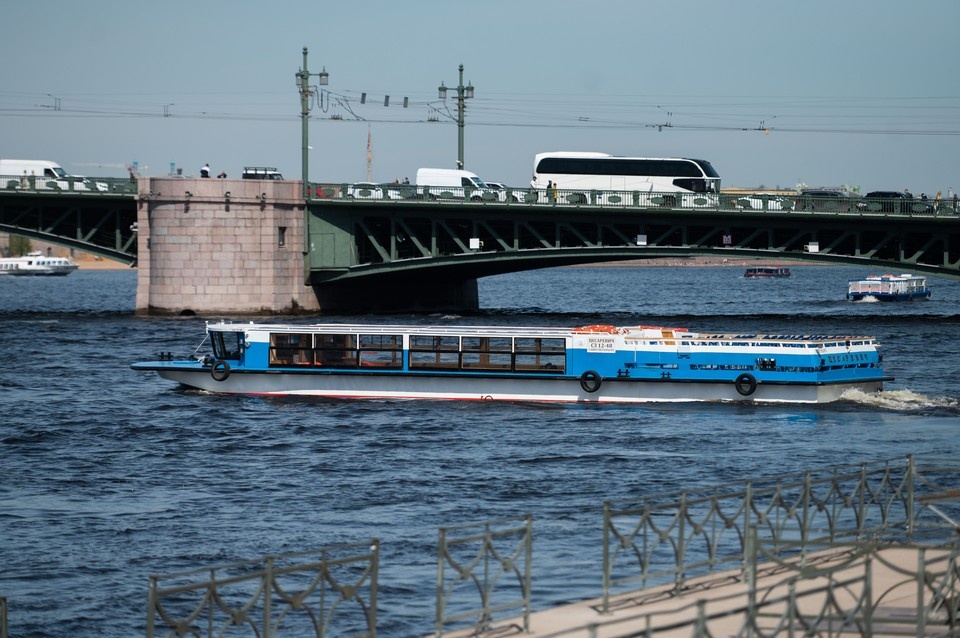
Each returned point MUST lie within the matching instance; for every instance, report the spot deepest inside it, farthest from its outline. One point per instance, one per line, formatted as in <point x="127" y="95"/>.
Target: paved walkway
<point x="834" y="584"/>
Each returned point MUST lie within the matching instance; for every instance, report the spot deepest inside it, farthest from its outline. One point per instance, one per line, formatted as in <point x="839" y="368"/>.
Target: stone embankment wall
<point x="221" y="247"/>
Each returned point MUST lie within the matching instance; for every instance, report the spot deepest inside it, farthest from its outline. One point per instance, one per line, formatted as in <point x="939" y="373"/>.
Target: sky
<point x="864" y="93"/>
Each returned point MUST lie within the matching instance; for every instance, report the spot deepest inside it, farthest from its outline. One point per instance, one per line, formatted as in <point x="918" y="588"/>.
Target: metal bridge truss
<point x="480" y="239"/>
<point x="100" y="224"/>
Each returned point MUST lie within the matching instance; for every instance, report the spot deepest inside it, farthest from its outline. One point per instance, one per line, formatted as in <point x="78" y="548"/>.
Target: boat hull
<point x="493" y="388"/>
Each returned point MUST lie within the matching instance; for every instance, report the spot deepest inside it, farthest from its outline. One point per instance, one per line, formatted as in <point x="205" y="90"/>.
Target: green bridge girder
<point x="394" y="240"/>
<point x="102" y="223"/>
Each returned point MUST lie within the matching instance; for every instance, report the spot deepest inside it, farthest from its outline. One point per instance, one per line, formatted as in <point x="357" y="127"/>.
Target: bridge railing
<point x="68" y="184"/>
<point x="614" y="199"/>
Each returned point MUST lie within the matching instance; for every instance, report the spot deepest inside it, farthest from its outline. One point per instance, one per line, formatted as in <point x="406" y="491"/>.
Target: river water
<point x="109" y="476"/>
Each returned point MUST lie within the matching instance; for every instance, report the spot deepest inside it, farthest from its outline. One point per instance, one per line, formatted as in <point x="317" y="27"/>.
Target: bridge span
<point x="216" y="246"/>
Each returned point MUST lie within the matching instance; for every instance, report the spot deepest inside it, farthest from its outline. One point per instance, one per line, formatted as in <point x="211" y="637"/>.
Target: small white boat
<point x="35" y="264"/>
<point x="595" y="364"/>
<point x="888" y="288"/>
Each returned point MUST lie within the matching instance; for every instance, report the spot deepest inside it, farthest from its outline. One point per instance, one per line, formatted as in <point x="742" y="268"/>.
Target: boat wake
<point x="901" y="400"/>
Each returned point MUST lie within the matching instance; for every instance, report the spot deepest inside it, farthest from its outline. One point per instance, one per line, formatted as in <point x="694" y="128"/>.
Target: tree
<point x="19" y="245"/>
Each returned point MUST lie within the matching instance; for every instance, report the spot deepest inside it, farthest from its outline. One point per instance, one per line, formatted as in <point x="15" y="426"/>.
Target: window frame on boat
<point x="488" y="353"/>
<point x="424" y="352"/>
<point x="223" y="348"/>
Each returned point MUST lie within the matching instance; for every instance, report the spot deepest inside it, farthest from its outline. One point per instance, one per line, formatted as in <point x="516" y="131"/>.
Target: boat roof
<point x="638" y="331"/>
<point x="890" y="277"/>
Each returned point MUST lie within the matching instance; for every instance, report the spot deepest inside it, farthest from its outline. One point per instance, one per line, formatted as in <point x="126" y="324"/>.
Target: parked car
<point x="756" y="202"/>
<point x="261" y="172"/>
<point x="896" y="202"/>
<point x="501" y="191"/>
<point x="828" y="200"/>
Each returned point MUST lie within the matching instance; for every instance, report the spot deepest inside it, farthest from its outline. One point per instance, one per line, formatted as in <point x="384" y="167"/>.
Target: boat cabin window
<point x="381" y="351"/>
<point x="487" y="353"/>
<point x="291" y="349"/>
<point x="227" y="345"/>
<point x="539" y="354"/>
<point x="336" y="351"/>
<point x="436" y="352"/>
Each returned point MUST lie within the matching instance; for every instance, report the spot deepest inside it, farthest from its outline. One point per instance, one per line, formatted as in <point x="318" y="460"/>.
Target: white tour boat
<point x="36" y="264"/>
<point x="597" y="363"/>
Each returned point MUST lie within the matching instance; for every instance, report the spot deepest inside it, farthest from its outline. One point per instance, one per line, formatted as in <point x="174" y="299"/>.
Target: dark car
<point x="827" y="200"/>
<point x="895" y="202"/>
<point x="261" y="172"/>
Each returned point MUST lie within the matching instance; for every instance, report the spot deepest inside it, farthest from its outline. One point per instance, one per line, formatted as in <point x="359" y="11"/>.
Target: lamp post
<point x="463" y="93"/>
<point x="303" y="85"/>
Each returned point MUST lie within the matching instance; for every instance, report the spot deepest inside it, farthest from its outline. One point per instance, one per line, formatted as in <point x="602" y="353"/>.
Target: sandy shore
<point x="101" y="264"/>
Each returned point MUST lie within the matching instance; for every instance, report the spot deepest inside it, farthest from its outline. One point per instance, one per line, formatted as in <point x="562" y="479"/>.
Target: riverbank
<point x="98" y="263"/>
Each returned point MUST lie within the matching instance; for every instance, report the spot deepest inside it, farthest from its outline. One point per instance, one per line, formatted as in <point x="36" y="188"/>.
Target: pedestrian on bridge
<point x="205" y="171"/>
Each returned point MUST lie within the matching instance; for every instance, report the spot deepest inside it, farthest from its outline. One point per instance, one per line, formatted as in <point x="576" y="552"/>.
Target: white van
<point x="451" y="183"/>
<point x="40" y="175"/>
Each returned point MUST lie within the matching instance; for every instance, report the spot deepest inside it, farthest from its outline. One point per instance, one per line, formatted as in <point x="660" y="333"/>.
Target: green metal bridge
<point x="98" y="216"/>
<point x="376" y="237"/>
<point x="389" y="230"/>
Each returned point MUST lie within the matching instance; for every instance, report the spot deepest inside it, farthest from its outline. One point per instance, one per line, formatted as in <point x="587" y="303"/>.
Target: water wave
<point x="902" y="400"/>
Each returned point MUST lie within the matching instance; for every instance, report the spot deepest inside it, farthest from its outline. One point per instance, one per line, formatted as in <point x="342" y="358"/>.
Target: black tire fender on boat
<point x="590" y="381"/>
<point x="220" y="370"/>
<point x="746" y="384"/>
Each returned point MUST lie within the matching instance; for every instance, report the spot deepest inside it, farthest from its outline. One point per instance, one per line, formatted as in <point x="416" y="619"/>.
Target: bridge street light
<point x="303" y="85"/>
<point x="463" y="93"/>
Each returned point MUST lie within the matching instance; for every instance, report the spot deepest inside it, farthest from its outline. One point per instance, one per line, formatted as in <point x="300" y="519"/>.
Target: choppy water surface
<point x="110" y="476"/>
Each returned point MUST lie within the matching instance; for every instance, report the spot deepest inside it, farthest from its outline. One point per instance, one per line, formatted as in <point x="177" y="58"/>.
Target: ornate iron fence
<point x="492" y="559"/>
<point x="673" y="537"/>
<point x="296" y="594"/>
<point x="827" y="590"/>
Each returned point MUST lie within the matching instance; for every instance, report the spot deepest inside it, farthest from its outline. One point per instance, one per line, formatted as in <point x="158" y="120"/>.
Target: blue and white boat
<point x="888" y="288"/>
<point x="591" y="364"/>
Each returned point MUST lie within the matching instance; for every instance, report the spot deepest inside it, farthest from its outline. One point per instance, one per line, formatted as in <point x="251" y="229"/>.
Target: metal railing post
<point x="751" y="539"/>
<point x="267" y="589"/>
<point x="441" y="548"/>
<point x="747" y="506"/>
<point x="605" y="607"/>
<point x="528" y="573"/>
<point x="911" y="468"/>
<point x="681" y="546"/>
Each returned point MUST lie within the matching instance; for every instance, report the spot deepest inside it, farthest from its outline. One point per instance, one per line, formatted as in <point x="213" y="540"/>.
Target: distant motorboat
<point x="36" y="264"/>
<point x="888" y="288"/>
<point x="771" y="272"/>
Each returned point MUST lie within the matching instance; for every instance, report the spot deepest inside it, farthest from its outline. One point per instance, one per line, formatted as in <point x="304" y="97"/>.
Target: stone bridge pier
<point x="221" y="247"/>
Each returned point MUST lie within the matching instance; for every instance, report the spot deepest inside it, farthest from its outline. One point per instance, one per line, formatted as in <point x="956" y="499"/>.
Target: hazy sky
<point x="865" y="93"/>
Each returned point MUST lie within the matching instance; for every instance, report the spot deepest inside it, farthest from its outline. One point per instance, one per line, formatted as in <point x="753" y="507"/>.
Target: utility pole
<point x="303" y="84"/>
<point x="463" y="93"/>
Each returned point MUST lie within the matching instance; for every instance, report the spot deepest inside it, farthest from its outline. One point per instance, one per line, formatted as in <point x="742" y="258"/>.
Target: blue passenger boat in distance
<point x="590" y="364"/>
<point x="888" y="288"/>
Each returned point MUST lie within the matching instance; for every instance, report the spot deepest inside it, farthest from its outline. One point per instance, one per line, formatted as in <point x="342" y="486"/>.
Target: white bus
<point x="608" y="179"/>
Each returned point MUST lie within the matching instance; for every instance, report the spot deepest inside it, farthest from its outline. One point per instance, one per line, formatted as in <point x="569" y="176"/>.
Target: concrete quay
<point x="839" y="591"/>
